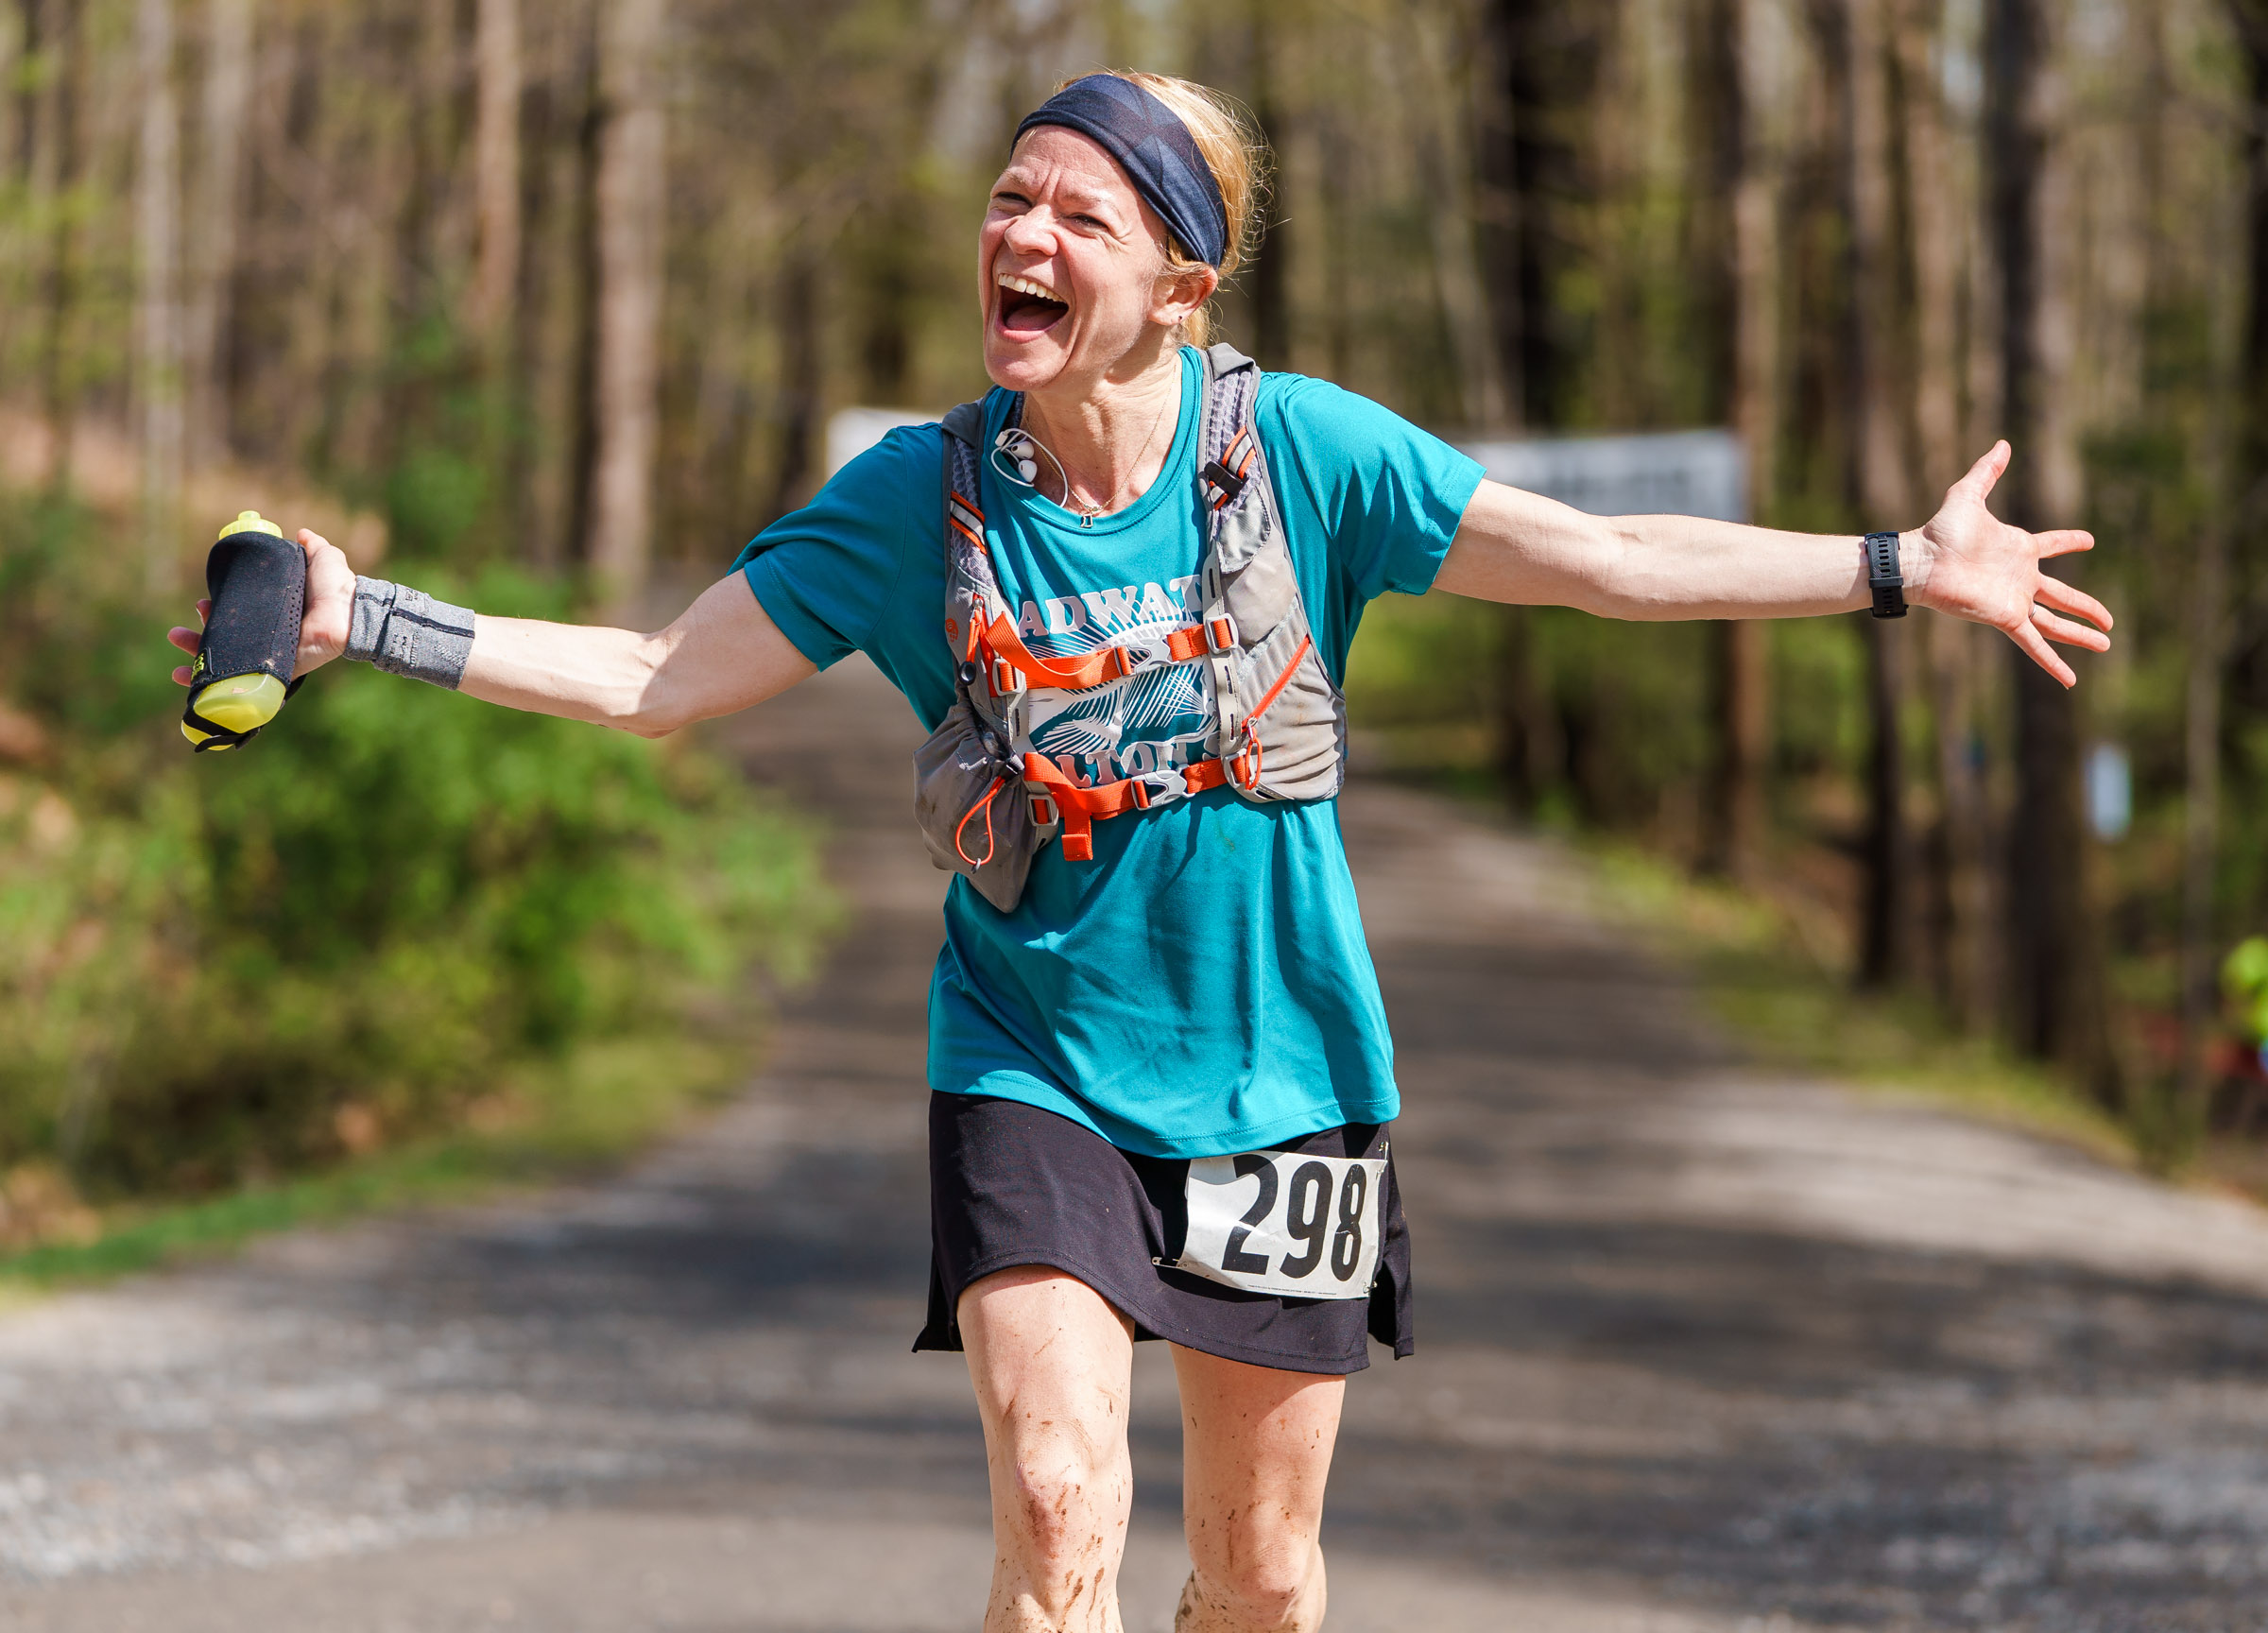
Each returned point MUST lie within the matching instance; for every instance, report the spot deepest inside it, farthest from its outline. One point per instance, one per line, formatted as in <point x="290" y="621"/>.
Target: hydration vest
<point x="987" y="800"/>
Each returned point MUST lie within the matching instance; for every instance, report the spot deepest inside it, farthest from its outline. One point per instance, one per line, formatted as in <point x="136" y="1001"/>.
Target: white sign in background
<point x="1660" y="473"/>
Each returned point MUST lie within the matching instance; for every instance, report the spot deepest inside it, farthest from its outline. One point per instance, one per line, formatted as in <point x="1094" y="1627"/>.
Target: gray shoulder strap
<point x="966" y="423"/>
<point x="964" y="429"/>
<point x="1222" y="358"/>
<point x="1227" y="442"/>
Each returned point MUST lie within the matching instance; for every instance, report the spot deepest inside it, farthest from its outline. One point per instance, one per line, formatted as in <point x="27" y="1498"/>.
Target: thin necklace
<point x="1089" y="512"/>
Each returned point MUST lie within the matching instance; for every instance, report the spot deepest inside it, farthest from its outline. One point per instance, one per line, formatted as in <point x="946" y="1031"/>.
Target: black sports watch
<point x="1883" y="575"/>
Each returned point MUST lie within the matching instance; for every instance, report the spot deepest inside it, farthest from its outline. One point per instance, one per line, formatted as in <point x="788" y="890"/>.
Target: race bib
<point x="1286" y="1222"/>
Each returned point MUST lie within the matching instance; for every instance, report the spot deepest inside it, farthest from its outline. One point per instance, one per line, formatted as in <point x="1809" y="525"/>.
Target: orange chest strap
<point x="1080" y="808"/>
<point x="999" y="643"/>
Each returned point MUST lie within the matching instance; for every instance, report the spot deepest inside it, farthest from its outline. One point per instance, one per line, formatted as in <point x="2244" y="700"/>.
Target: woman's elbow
<point x="656" y="716"/>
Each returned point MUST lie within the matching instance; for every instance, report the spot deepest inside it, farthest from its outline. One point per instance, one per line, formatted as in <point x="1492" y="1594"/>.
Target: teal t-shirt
<point x="1201" y="987"/>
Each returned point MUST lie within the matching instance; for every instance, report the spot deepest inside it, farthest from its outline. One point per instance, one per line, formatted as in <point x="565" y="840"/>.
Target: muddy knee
<point x="1063" y="1508"/>
<point x="1251" y="1577"/>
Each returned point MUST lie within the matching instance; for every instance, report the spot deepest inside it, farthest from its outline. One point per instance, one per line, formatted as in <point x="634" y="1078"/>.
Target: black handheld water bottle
<point x="258" y="582"/>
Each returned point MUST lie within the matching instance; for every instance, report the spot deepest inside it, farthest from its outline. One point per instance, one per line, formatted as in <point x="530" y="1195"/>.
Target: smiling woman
<point x="1120" y="591"/>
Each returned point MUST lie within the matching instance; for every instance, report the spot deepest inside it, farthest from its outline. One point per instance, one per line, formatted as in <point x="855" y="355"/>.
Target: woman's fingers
<point x="2070" y="634"/>
<point x="2036" y="649"/>
<point x="189" y="639"/>
<point x="1986" y="471"/>
<point x="2070" y="598"/>
<point x="2062" y="542"/>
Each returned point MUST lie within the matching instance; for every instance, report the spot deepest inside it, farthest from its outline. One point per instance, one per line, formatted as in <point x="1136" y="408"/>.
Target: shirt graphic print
<point x="1154" y="721"/>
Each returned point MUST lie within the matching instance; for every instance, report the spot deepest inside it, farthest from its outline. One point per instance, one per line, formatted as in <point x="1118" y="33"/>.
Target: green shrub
<point x="391" y="901"/>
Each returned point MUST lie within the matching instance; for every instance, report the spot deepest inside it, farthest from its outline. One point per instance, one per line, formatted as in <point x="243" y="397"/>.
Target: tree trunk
<point x="496" y="171"/>
<point x="158" y="313"/>
<point x="2056" y="980"/>
<point x="2207" y="621"/>
<point x="797" y="305"/>
<point x="1963" y="962"/>
<point x="1268" y="289"/>
<point x="1457" y="284"/>
<point x="1543" y="59"/>
<point x="212" y="238"/>
<point x="2240" y="450"/>
<point x="582" y="400"/>
<point x="1735" y="814"/>
<point x="1886" y="937"/>
<point x="13" y="28"/>
<point x="64" y="37"/>
<point x="630" y="218"/>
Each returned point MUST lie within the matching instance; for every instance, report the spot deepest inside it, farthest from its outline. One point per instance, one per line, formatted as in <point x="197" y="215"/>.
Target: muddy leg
<point x="1052" y="1365"/>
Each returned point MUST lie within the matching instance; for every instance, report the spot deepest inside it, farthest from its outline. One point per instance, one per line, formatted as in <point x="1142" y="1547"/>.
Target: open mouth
<point x="1025" y="308"/>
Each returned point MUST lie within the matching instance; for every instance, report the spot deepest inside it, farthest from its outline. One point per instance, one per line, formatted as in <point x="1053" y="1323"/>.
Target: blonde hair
<point x="1237" y="155"/>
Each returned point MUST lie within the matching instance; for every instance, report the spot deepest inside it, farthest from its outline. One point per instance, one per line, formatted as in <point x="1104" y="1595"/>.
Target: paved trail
<point x="1700" y="1350"/>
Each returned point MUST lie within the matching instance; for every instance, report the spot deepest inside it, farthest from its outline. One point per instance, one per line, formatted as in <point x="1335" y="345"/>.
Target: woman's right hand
<point x="330" y="603"/>
<point x="323" y="625"/>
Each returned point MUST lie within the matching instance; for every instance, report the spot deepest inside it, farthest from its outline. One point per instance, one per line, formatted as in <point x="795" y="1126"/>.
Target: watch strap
<point x="1882" y="577"/>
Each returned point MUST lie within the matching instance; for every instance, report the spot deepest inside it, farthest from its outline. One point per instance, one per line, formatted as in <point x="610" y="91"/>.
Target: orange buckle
<point x="1006" y="677"/>
<point x="1220" y="634"/>
<point x="1045" y="814"/>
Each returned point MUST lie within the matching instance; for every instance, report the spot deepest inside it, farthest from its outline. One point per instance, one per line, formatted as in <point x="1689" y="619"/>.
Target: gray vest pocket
<point x="973" y="811"/>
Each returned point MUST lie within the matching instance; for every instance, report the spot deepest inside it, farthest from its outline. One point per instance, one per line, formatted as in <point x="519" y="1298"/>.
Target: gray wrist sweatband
<point x="406" y="631"/>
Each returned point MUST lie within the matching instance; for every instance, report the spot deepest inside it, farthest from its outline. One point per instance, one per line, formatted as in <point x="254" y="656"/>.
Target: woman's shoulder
<point x="1319" y="412"/>
<point x="902" y="462"/>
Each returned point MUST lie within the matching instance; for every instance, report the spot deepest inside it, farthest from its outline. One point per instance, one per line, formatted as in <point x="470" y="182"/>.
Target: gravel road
<point x="1700" y="1349"/>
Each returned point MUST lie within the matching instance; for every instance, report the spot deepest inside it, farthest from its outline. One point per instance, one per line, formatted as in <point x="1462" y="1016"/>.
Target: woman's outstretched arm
<point x="1520" y="547"/>
<point x="722" y="654"/>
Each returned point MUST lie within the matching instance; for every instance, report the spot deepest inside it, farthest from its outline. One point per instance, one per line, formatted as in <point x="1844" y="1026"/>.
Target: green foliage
<point x="2245" y="981"/>
<point x="392" y="901"/>
<point x="433" y="500"/>
<point x="1632" y="727"/>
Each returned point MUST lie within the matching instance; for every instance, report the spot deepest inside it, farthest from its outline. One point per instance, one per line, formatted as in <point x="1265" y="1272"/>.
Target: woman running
<point x="1120" y="592"/>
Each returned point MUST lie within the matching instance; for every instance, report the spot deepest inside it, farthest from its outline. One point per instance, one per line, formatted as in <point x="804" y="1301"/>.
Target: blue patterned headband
<point x="1154" y="149"/>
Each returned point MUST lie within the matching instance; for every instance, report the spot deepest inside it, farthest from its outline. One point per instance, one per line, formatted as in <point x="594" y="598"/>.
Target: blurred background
<point x="552" y="306"/>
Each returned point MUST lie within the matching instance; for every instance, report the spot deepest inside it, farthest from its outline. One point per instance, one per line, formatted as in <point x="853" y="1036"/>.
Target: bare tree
<point x="1537" y="66"/>
<point x="496" y="166"/>
<point x="58" y="161"/>
<point x="158" y="313"/>
<point x="212" y="236"/>
<point x="1734" y="815"/>
<point x="2240" y="436"/>
<point x="1886" y="494"/>
<point x="1456" y="266"/>
<point x="629" y="219"/>
<point x="2056" y="981"/>
<point x="1964" y="967"/>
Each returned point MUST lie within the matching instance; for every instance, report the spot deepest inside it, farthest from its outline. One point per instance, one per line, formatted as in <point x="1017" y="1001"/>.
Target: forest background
<point x="551" y="305"/>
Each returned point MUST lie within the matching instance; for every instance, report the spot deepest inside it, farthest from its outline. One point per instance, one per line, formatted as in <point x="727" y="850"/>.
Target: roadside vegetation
<point x="401" y="936"/>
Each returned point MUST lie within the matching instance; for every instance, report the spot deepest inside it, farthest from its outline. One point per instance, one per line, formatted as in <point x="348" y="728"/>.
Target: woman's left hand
<point x="1976" y="566"/>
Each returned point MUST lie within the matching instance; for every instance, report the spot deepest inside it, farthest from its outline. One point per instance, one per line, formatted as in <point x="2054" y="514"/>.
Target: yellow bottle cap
<point x="249" y="522"/>
<point x="240" y="702"/>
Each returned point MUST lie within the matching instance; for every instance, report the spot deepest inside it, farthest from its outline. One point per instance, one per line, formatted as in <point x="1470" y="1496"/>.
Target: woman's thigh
<point x="1256" y="1446"/>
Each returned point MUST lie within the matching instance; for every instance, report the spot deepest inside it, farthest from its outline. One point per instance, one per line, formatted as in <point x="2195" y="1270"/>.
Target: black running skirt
<point x="1010" y="1184"/>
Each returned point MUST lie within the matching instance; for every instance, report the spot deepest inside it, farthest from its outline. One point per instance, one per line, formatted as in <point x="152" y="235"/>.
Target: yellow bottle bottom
<point x="240" y="703"/>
